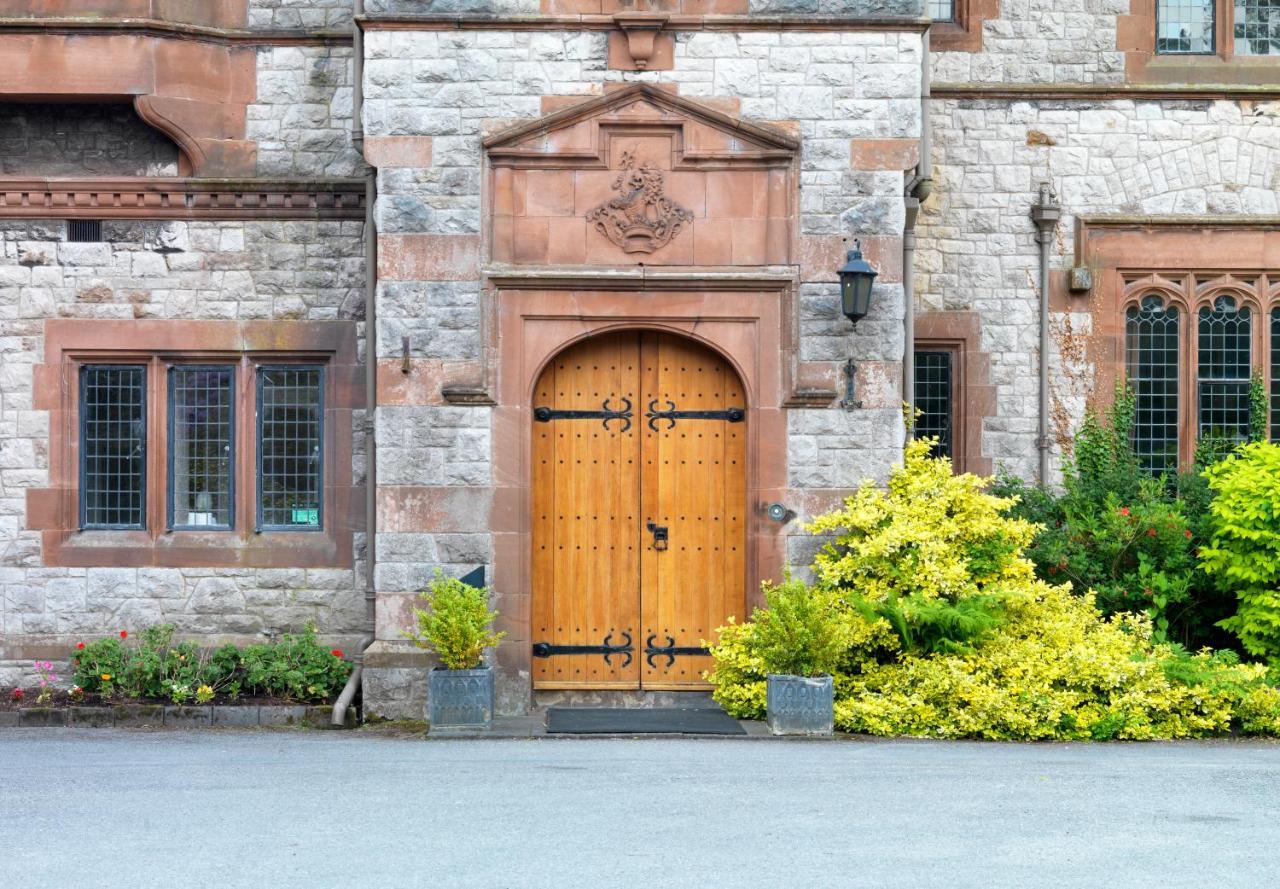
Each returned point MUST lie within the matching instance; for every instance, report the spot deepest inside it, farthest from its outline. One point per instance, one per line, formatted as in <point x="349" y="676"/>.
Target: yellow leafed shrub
<point x="949" y="634"/>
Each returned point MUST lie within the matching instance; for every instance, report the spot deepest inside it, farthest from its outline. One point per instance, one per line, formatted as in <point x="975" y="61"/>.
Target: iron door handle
<point x="660" y="536"/>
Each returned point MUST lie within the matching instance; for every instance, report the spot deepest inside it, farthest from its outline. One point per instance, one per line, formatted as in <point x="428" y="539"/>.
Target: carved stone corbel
<point x="641" y="30"/>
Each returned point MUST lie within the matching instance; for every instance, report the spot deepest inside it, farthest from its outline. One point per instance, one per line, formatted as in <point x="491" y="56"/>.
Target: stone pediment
<point x="641" y="175"/>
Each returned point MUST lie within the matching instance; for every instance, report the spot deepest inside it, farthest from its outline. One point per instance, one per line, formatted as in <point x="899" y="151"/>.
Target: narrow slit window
<point x="933" y="391"/>
<point x="1151" y="360"/>
<point x="1275" y="374"/>
<point x="113" y="446"/>
<point x="290" y="453"/>
<point x="1223" y="371"/>
<point x="1257" y="28"/>
<point x="942" y="10"/>
<point x="201" y="447"/>
<point x="1185" y="27"/>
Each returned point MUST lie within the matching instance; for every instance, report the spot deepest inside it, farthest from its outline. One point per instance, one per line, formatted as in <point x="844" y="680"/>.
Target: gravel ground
<point x="110" y="808"/>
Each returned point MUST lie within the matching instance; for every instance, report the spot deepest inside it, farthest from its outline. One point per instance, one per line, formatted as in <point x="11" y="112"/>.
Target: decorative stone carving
<point x="641" y="219"/>
<point x="641" y="30"/>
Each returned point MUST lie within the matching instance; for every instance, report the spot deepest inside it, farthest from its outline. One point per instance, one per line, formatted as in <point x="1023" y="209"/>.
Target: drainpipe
<point x="348" y="694"/>
<point x="919" y="188"/>
<point x="1044" y="213"/>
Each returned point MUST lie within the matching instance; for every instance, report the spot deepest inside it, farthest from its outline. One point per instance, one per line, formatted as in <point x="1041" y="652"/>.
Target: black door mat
<point x="601" y="721"/>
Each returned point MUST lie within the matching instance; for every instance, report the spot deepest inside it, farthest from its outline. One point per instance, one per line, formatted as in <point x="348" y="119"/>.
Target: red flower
<point x="337" y="652"/>
<point x="1187" y="534"/>
<point x="1151" y="532"/>
<point x="79" y="646"/>
<point x="17" y="694"/>
<point x="124" y="634"/>
<point x="1124" y="510"/>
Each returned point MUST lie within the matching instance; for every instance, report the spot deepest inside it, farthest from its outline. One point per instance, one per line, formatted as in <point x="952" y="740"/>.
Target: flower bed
<point x="152" y="680"/>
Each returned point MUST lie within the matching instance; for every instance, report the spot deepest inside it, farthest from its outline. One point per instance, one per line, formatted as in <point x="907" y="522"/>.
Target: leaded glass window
<point x="1223" y="371"/>
<point x="933" y="391"/>
<point x="1257" y="27"/>
<point x="201" y="446"/>
<point x="942" y="10"/>
<point x="113" y="446"/>
<point x="1275" y="374"/>
<point x="1151" y="356"/>
<point x="290" y="454"/>
<point x="1185" y="27"/>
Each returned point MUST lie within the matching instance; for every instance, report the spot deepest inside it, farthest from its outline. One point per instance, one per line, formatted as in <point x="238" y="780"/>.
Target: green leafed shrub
<point x="457" y="625"/>
<point x="1244" y="553"/>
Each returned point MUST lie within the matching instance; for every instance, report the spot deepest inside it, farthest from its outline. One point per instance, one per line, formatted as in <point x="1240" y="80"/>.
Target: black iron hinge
<point x="608" y="649"/>
<point x="670" y="650"/>
<point x="547" y="414"/>
<point x="731" y="415"/>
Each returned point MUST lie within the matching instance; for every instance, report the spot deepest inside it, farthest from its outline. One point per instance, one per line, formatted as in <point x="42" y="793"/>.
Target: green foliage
<point x="1048" y="666"/>
<point x="296" y="668"/>
<point x="802" y="631"/>
<point x="1244" y="553"/>
<point x="1259" y="405"/>
<point x="1127" y="537"/>
<point x="934" y="555"/>
<point x="457" y="625"/>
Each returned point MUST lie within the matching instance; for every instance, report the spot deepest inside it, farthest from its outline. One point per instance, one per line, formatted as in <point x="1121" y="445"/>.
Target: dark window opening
<point x="1151" y="358"/>
<point x="290" y="453"/>
<point x="113" y="446"/>
<point x="1257" y="27"/>
<point x="84" y="231"/>
<point x="201" y="447"/>
<point x="934" y="389"/>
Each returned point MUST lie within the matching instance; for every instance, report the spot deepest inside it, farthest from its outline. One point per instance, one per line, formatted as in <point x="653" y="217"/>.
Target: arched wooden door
<point x="639" y="501"/>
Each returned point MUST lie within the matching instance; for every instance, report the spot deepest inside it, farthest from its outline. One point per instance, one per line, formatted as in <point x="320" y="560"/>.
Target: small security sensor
<point x="779" y="513"/>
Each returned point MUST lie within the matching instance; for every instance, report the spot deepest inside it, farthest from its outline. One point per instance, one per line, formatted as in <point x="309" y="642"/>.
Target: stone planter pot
<point x="800" y="705"/>
<point x="460" y="699"/>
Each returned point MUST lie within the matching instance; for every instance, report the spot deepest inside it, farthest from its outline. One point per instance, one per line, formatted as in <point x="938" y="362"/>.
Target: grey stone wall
<point x="171" y="270"/>
<point x="305" y="14"/>
<point x="81" y="139"/>
<point x="302" y="117"/>
<point x="977" y="249"/>
<point x="1042" y="41"/>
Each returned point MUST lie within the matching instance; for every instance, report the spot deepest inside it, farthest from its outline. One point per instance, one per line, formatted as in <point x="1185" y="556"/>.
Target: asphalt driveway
<point x="104" y="808"/>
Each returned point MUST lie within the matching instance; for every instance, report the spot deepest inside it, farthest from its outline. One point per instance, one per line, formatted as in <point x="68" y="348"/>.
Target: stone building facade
<point x="446" y="207"/>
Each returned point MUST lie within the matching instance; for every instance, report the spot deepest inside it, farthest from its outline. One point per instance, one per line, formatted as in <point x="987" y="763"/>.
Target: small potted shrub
<point x="457" y="626"/>
<point x="800" y="643"/>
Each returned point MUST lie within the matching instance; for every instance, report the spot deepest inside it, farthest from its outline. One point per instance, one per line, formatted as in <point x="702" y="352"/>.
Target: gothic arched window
<point x="1222" y="370"/>
<point x="1151" y="353"/>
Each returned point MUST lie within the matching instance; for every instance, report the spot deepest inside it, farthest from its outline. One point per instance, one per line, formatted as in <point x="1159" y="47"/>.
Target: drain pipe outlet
<point x="1045" y="214"/>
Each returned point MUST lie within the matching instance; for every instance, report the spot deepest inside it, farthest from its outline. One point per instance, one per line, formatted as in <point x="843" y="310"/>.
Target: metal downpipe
<point x="1044" y="213"/>
<point x="348" y="694"/>
<point x="918" y="190"/>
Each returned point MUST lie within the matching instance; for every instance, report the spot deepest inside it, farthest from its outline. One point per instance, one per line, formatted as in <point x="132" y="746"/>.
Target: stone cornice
<point x="601" y="22"/>
<point x="1093" y="92"/>
<point x="163" y="198"/>
<point x="173" y="30"/>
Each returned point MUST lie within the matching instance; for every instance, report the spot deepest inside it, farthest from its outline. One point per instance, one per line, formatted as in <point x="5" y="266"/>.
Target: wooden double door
<point x="638" y="511"/>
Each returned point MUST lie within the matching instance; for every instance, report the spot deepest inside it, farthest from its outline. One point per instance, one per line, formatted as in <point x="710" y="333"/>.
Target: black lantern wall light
<point x="856" y="280"/>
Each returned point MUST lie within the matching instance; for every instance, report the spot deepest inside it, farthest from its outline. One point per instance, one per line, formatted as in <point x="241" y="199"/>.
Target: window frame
<point x="1223" y="42"/>
<point x="258" y="372"/>
<point x="82" y="504"/>
<point x="170" y="524"/>
<point x="954" y="352"/>
<point x="1215" y="25"/>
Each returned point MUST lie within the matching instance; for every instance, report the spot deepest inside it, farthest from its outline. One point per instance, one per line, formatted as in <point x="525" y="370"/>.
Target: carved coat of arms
<point x="641" y="218"/>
